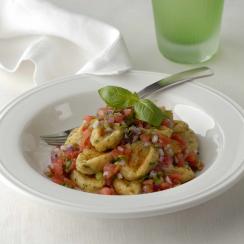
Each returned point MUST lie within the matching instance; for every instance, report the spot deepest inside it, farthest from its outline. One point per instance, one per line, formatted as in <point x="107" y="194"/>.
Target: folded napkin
<point x="57" y="41"/>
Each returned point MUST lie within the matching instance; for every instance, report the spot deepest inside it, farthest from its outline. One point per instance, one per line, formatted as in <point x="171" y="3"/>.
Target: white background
<point x="218" y="221"/>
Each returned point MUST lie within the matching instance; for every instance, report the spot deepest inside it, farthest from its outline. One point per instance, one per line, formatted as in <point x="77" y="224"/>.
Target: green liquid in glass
<point x="188" y="30"/>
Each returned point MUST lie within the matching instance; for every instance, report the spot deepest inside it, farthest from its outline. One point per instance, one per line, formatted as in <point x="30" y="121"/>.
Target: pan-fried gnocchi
<point x="115" y="153"/>
<point x="142" y="160"/>
<point x="91" y="162"/>
<point x="74" y="137"/>
<point x="103" y="141"/>
<point x="125" y="187"/>
<point x="87" y="183"/>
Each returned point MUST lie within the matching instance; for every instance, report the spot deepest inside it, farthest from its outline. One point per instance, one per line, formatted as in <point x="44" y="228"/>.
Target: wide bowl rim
<point x="216" y="189"/>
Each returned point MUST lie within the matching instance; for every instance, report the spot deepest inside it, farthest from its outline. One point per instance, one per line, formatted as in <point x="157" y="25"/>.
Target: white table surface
<point x="220" y="220"/>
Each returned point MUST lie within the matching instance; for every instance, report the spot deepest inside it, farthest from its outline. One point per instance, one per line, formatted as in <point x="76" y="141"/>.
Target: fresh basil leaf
<point x="118" y="97"/>
<point x="147" y="111"/>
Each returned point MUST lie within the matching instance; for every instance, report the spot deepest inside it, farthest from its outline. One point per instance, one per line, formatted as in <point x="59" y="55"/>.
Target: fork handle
<point x="175" y="79"/>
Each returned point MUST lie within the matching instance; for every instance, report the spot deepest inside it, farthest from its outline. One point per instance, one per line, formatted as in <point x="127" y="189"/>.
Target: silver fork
<point x="58" y="139"/>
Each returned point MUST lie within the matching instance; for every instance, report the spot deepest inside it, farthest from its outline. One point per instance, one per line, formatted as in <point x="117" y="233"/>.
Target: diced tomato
<point x="145" y="138"/>
<point x="147" y="186"/>
<point x="127" y="151"/>
<point x="57" y="169"/>
<point x="167" y="160"/>
<point x="101" y="113"/>
<point x="88" y="118"/>
<point x="156" y="187"/>
<point x="82" y="147"/>
<point x="69" y="182"/>
<point x="107" y="191"/>
<point x="63" y="180"/>
<point x="127" y="112"/>
<point x="167" y="123"/>
<point x="192" y="159"/>
<point x="147" y="126"/>
<point x="118" y="118"/>
<point x="75" y="154"/>
<point x="115" y="153"/>
<point x="164" y="140"/>
<point x="73" y="165"/>
<point x="179" y="159"/>
<point x="72" y="154"/>
<point x="58" y="179"/>
<point x="110" y="170"/>
<point x="148" y="182"/>
<point x="59" y="161"/>
<point x="122" y="150"/>
<point x="175" y="178"/>
<point x="86" y="134"/>
<point x="180" y="139"/>
<point x="85" y="141"/>
<point x="139" y="123"/>
<point x="84" y="127"/>
<point x="165" y="185"/>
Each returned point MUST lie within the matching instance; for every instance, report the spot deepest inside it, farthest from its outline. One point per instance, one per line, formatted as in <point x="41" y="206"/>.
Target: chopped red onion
<point x="63" y="147"/>
<point x="156" y="187"/>
<point x="110" y="112"/>
<point x="168" y="180"/>
<point x="146" y="144"/>
<point x="161" y="152"/>
<point x="152" y="174"/>
<point x="95" y="124"/>
<point x="161" y="158"/>
<point x="122" y="162"/>
<point x="111" y="120"/>
<point x="69" y="146"/>
<point x="169" y="150"/>
<point x="135" y="130"/>
<point x="121" y="149"/>
<point x="154" y="138"/>
<point x="120" y="176"/>
<point x="135" y="138"/>
<point x="56" y="150"/>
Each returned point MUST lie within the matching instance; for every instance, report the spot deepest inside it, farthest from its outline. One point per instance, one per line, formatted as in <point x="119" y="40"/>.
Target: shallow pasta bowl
<point x="61" y="104"/>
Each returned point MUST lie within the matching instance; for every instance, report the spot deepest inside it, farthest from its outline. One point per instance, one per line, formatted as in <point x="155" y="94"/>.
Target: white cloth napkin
<point x="57" y="41"/>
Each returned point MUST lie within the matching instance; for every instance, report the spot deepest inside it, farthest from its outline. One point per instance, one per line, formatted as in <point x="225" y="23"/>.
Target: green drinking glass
<point x="188" y="30"/>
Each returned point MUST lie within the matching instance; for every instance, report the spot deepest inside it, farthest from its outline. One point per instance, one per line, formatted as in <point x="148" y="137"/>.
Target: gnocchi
<point x="103" y="142"/>
<point x="90" y="161"/>
<point x="115" y="153"/>
<point x="125" y="187"/>
<point x="87" y="183"/>
<point x="142" y="160"/>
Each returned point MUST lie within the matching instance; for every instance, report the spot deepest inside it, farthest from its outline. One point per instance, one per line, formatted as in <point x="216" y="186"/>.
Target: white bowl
<point x="218" y="121"/>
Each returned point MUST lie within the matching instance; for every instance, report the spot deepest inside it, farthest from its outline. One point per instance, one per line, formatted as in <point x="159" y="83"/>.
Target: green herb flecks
<point x="99" y="175"/>
<point x="67" y="165"/>
<point x="157" y="179"/>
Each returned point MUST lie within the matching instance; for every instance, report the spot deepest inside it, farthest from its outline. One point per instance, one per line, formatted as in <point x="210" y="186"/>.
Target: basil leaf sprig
<point x="145" y="110"/>
<point x="118" y="97"/>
